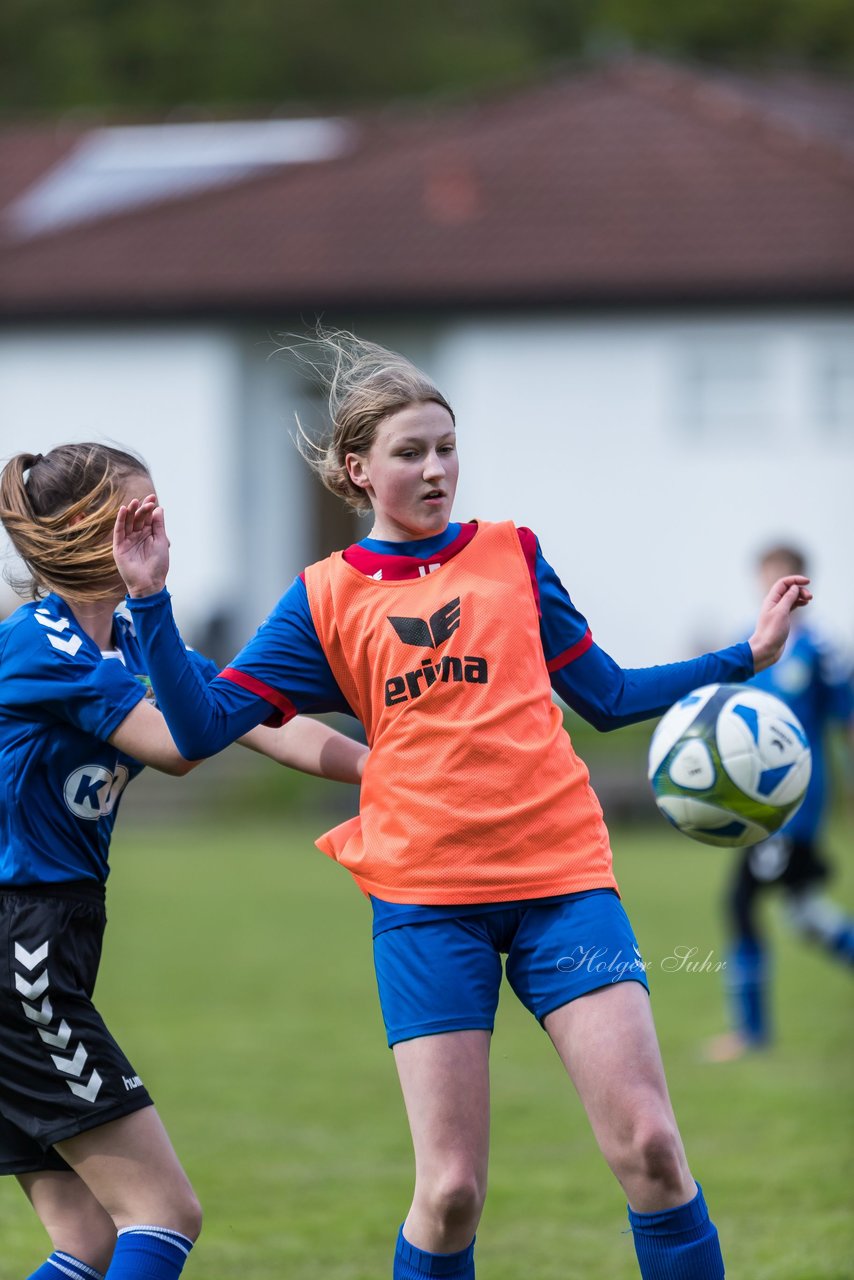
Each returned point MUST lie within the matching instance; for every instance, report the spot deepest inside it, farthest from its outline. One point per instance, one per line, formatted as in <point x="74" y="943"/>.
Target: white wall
<point x="172" y="395"/>
<point x="276" y="486"/>
<point x="652" y="455"/>
<point x="650" y="492"/>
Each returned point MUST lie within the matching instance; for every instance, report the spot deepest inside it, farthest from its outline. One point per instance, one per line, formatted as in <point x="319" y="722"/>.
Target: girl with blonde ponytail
<point x="77" y="724"/>
<point x="58" y="512"/>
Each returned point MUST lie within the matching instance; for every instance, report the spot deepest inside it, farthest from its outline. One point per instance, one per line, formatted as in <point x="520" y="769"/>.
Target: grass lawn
<point x="237" y="975"/>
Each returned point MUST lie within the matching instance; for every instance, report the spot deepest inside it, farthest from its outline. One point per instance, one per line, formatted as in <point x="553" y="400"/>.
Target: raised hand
<point x="775" y="618"/>
<point x="140" y="546"/>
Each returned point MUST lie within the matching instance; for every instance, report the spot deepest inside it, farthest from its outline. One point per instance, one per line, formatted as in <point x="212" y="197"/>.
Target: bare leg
<point x="131" y="1169"/>
<point x="445" y="1083"/>
<point x="607" y="1043"/>
<point x="73" y="1218"/>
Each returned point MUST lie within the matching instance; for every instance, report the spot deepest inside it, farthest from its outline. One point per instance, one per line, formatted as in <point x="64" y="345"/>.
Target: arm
<point x="203" y="717"/>
<point x="303" y="743"/>
<point x="199" y="725"/>
<point x="312" y="747"/>
<point x="609" y="696"/>
<point x="144" y="735"/>
<point x="307" y="745"/>
<point x="775" y="619"/>
<point x="205" y="714"/>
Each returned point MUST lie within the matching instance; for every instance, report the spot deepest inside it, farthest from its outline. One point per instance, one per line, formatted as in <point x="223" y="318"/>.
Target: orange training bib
<point x="472" y="791"/>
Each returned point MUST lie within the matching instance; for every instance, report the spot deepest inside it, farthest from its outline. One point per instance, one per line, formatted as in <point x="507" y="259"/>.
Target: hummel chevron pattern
<point x="58" y="1039"/>
<point x="69" y="646"/>
<point x="90" y="1091"/>
<point x="29" y="959"/>
<point x="30" y="989"/>
<point x="72" y="1066"/>
<point x="55" y="624"/>
<point x="42" y="1014"/>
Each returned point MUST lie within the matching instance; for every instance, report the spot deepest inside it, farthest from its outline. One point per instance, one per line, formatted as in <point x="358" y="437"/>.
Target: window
<point x="724" y="386"/>
<point x="834" y="386"/>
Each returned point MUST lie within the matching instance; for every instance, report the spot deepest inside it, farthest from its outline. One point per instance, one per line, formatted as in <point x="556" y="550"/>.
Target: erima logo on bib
<point x="430" y="633"/>
<point x="91" y="791"/>
<point x="438" y="628"/>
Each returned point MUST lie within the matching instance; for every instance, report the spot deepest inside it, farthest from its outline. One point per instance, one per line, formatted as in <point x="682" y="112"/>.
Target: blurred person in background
<point x="77" y="723"/>
<point x="815" y="679"/>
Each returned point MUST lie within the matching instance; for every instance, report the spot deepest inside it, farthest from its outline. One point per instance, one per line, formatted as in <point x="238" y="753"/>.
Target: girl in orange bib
<point x="478" y="834"/>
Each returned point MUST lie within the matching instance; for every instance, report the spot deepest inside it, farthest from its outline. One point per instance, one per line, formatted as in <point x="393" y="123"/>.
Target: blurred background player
<point x="77" y="723"/>
<point x="815" y="680"/>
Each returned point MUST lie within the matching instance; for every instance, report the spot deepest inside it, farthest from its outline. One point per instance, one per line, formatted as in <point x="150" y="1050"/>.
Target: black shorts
<point x="780" y="860"/>
<point x="61" y="1072"/>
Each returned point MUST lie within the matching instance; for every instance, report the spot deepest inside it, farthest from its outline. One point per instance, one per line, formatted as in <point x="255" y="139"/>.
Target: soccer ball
<point x="729" y="764"/>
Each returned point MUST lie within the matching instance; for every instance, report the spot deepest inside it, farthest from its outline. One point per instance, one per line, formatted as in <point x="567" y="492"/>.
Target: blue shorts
<point x="444" y="975"/>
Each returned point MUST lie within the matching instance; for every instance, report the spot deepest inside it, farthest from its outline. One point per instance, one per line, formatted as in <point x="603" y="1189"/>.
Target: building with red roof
<point x="635" y="282"/>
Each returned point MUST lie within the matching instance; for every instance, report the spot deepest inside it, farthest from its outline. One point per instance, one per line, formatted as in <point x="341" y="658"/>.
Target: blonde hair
<point x="365" y="383"/>
<point x="58" y="510"/>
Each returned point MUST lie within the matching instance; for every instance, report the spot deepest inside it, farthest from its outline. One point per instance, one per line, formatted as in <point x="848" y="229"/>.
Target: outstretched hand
<point x="775" y="618"/>
<point x="140" y="546"/>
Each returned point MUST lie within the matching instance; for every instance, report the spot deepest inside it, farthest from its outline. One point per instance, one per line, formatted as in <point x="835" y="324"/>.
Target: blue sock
<point x="59" y="1266"/>
<point x="678" y="1244"/>
<point x="412" y="1264"/>
<point x="148" y="1253"/>
<point x="747" y="984"/>
<point x="842" y="943"/>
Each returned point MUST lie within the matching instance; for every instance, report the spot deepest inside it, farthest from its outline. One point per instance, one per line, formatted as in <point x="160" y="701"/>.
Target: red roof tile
<point x="634" y="182"/>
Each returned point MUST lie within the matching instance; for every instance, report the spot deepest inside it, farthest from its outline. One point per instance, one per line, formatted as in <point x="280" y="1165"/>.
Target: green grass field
<point x="237" y="975"/>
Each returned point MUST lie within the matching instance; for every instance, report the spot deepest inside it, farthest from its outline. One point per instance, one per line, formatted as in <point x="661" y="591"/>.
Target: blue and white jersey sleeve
<point x="280" y="672"/>
<point x="51" y="671"/>
<point x="284" y="661"/>
<point x="60" y="779"/>
<point x="813" y="677"/>
<point x="837" y="680"/>
<point x="602" y="692"/>
<point x="127" y="640"/>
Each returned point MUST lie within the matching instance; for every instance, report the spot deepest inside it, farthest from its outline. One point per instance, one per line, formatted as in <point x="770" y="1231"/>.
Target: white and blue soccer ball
<point x="729" y="764"/>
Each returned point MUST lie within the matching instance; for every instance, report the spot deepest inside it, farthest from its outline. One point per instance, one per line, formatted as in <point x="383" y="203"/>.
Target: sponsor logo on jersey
<point x="145" y="681"/>
<point x="432" y="633"/>
<point x="91" y="791"/>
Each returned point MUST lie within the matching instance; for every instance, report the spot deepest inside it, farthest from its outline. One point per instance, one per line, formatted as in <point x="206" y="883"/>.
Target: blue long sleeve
<point x="593" y="684"/>
<point x="284" y="667"/>
<point x="609" y="696"/>
<point x="202" y="717"/>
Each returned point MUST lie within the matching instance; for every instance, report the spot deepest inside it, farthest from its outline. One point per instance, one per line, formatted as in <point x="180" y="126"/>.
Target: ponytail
<point x="58" y="510"/>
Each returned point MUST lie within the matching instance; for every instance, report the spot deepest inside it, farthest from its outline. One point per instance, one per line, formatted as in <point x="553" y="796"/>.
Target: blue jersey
<point x="60" y="700"/>
<point x="812" y="678"/>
